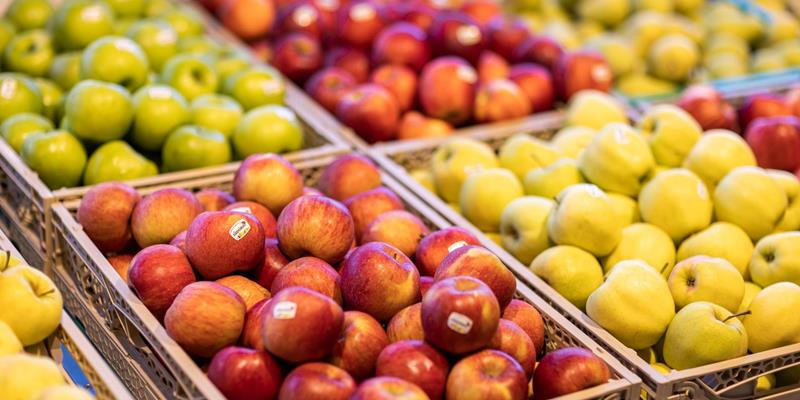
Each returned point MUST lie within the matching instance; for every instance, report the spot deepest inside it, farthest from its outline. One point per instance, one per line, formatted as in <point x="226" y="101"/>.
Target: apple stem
<point x="8" y="259"/>
<point x="746" y="312"/>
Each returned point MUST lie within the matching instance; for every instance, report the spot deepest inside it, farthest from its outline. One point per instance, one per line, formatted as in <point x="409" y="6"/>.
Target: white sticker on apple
<point x="239" y="229"/>
<point x="245" y="210"/>
<point x="468" y="35"/>
<point x="457" y="245"/>
<point x="304" y="15"/>
<point x="284" y="310"/>
<point x="601" y="73"/>
<point x="362" y="12"/>
<point x="459" y="323"/>
<point x="466" y="73"/>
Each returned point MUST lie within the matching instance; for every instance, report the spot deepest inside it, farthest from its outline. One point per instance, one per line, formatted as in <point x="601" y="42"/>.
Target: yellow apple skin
<point x="523" y="153"/>
<point x="644" y="242"/>
<point x="671" y="133"/>
<point x="485" y="194"/>
<point x="29" y="303"/>
<point x="720" y="239"/>
<point x="583" y="217"/>
<point x="698" y="336"/>
<point x="710" y="279"/>
<point x="8" y="261"/>
<point x="609" y="13"/>
<point x="618" y="306"/>
<point x="572" y="140"/>
<point x="523" y="227"/>
<point x="572" y="272"/>
<point x="765" y="382"/>
<point x="551" y="180"/>
<point x="639" y="84"/>
<point x="770" y="324"/>
<point x="677" y="202"/>
<point x="625" y="208"/>
<point x="65" y="392"/>
<point x="661" y="367"/>
<point x="616" y="50"/>
<point x="673" y="57"/>
<point x="424" y="178"/>
<point x="750" y="292"/>
<point x="776" y="259"/>
<point x="791" y="186"/>
<point x="9" y="344"/>
<point x="24" y="376"/>
<point x="454" y="160"/>
<point x="716" y="153"/>
<point x="751" y="199"/>
<point x="594" y="109"/>
<point x="647" y="354"/>
<point x="617" y="160"/>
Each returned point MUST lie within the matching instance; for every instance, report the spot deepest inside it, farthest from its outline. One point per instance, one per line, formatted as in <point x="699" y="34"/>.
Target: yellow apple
<point x="716" y="153"/>
<point x="454" y="160"/>
<point x="776" y="259"/>
<point x="594" y="109"/>
<point x="710" y="279"/>
<point x="617" y="160"/>
<point x="638" y="84"/>
<point x="64" y="392"/>
<point x="625" y="209"/>
<point x="673" y="57"/>
<point x="671" y="133"/>
<point x="485" y="194"/>
<point x="765" y="382"/>
<point x="703" y="333"/>
<point x="29" y="303"/>
<point x="720" y="239"/>
<point x="750" y="292"/>
<point x="790" y="221"/>
<point x="523" y="227"/>
<point x="424" y="178"/>
<point x="617" y="50"/>
<point x="551" y="180"/>
<point x="644" y="242"/>
<point x="571" y="141"/>
<point x="572" y="272"/>
<point x="609" y="13"/>
<point x="24" y="376"/>
<point x="750" y="198"/>
<point x="523" y="153"/>
<point x="9" y="344"/>
<point x="584" y="217"/>
<point x="494" y="237"/>
<point x="677" y="202"/>
<point x="773" y="320"/>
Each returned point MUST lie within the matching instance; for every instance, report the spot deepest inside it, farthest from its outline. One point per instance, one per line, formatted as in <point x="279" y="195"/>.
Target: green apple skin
<point x="644" y="242"/>
<point x="117" y="161"/>
<point x="30" y="53"/>
<point x="191" y="75"/>
<point x="700" y="335"/>
<point x="227" y="66"/>
<point x="617" y="160"/>
<point x="267" y="129"/>
<point x="671" y="133"/>
<point x="18" y="127"/>
<point x="155" y="8"/>
<point x="80" y="22"/>
<point x="750" y="292"/>
<point x="99" y="111"/>
<point x="776" y="259"/>
<point x="522" y="153"/>
<point x="791" y="186"/>
<point x="157" y="39"/>
<point x="31" y="303"/>
<point x="572" y="272"/>
<point x="572" y="140"/>
<point x="710" y="279"/>
<point x="583" y="217"/>
<point x="66" y="70"/>
<point x="217" y="112"/>
<point x="486" y="194"/>
<point x="255" y="87"/>
<point x="625" y="208"/>
<point x="770" y="324"/>
<point x="9" y="344"/>
<point x="7" y="31"/>
<point x="24" y="375"/>
<point x="192" y="146"/>
<point x="454" y="160"/>
<point x="523" y="227"/>
<point x="199" y="45"/>
<point x="184" y="21"/>
<point x="158" y="110"/>
<point x="594" y="109"/>
<point x="29" y="14"/>
<point x="18" y="94"/>
<point x="58" y="158"/>
<point x="676" y="201"/>
<point x="115" y="59"/>
<point x="750" y="198"/>
<point x="619" y="305"/>
<point x="52" y="96"/>
<point x="127" y="8"/>
<point x="722" y="240"/>
<point x="716" y="153"/>
<point x="551" y="180"/>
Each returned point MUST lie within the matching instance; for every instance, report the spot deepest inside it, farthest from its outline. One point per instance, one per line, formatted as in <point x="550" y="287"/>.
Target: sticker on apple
<point x="362" y="12"/>
<point x="459" y="323"/>
<point x="601" y="73"/>
<point x="284" y="310"/>
<point x="468" y="35"/>
<point x="244" y="210"/>
<point x="304" y="15"/>
<point x="239" y="229"/>
<point x="455" y="246"/>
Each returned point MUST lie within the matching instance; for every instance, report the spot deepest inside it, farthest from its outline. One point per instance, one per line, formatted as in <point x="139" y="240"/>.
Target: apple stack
<point x="297" y="306"/>
<point x="406" y="69"/>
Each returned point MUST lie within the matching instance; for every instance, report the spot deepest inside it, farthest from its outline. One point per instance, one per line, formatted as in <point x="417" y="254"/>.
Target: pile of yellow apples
<point x="670" y="238"/>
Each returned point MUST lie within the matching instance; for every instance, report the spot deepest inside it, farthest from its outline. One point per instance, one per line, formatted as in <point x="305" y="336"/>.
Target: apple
<point x="349" y="175"/>
<point x="268" y="179"/>
<point x="660" y="196"/>
<point x="434" y="248"/>
<point x="157" y="111"/>
<point x="686" y="341"/>
<point x="539" y="49"/>
<point x="402" y="43"/>
<point x="702" y="278"/>
<point x="506" y="34"/>
<point x="371" y="111"/>
<point x="216" y="112"/>
<point x="527" y="318"/>
<point x="406" y="324"/>
<point x="121" y="263"/>
<point x="251" y="331"/>
<point x="366" y="206"/>
<point x="221" y="242"/>
<point x="309" y="17"/>
<point x="762" y="105"/>
<point x="750" y="188"/>
<point x="488" y="374"/>
<point x="357" y="24"/>
<point x="549" y="181"/>
<point x="262" y="214"/>
<point x="775" y="142"/>
<point x="80" y="22"/>
<point x="250" y="292"/>
<point x="20" y="95"/>
<point x="617" y="160"/>
<point x="297" y="55"/>
<point x="354" y="61"/>
<point x="573" y="272"/>
<point x="418" y="13"/>
<point x="317" y="380"/>
<point x="273" y="261"/>
<point x="579" y="207"/>
<point x="19" y="126"/>
<point x="388" y="388"/>
<point x="161" y="215"/>
<point x="117" y="60"/>
<point x="416" y="362"/>
<point x="716" y="154"/>
<point x="523" y="153"/>
<point x="157" y="39"/>
<point x="447" y="89"/>
<point x="485" y="194"/>
<point x="568" y="370"/>
<point x="214" y="199"/>
<point x="400" y="81"/>
<point x="65" y="69"/>
<point x="98" y="111"/>
<point x="766" y="329"/>
<point x="415" y="125"/>
<point x="65" y="392"/>
<point x="25" y="376"/>
<point x="52" y="98"/>
<point x="512" y="340"/>
<point x="398" y="228"/>
<point x="268" y="129"/>
<point x="491" y="67"/>
<point x="104" y="214"/>
<point x="773" y="261"/>
<point x="241" y="373"/>
<point x="186" y="21"/>
<point x="31" y="303"/>
<point x="500" y="100"/>
<point x="29" y="14"/>
<point x="328" y="85"/>
<point x="9" y="344"/>
<point x="458" y="34"/>
<point x="361" y="341"/>
<point x="706" y="105"/>
<point x="536" y="83"/>
<point x="247" y="19"/>
<point x="310" y="273"/>
<point x="300" y="232"/>
<point x="255" y="87"/>
<point x="190" y="74"/>
<point x="57" y="157"/>
<point x="157" y="275"/>
<point x="581" y="70"/>
<point x="644" y="242"/>
<point x="117" y="161"/>
<point x="29" y="52"/>
<point x="722" y="240"/>
<point x="179" y="241"/>
<point x="479" y="263"/>
<point x="454" y="160"/>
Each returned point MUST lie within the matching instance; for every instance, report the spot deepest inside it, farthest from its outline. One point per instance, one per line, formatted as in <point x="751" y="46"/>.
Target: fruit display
<point x="413" y="69"/>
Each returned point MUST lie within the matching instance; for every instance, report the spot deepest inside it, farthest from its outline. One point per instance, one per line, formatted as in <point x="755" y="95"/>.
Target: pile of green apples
<point x="94" y="91"/>
<point x="670" y="238"/>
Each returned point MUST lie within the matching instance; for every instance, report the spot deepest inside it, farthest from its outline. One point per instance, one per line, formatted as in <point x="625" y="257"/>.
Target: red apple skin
<point x="361" y="341"/>
<point x="317" y="226"/>
<point x="157" y="274"/>
<point x="581" y="70"/>
<point x="205" y="317"/>
<point x="447" y="89"/>
<point x="219" y="243"/>
<point x="105" y="214"/>
<point x="567" y="371"/>
<point x="775" y="142"/>
<point x="707" y="106"/>
<point x="528" y="319"/>
<point x="121" y="263"/>
<point x="416" y="362"/>
<point x="265" y="272"/>
<point x="416" y="13"/>
<point x="317" y="381"/>
<point x="500" y="100"/>
<point x="398" y="228"/>
<point x="541" y="50"/>
<point x="536" y="83"/>
<point x="415" y="125"/>
<point x="506" y="34"/>
<point x="310" y="273"/>
<point x="262" y="214"/>
<point x="458" y="34"/>
<point x="251" y="332"/>
<point x="370" y="272"/>
<point x="489" y="374"/>
<point x="400" y="81"/>
<point x="306" y="17"/>
<point x="308" y="191"/>
<point x="388" y="388"/>
<point x="425" y="283"/>
<point x="247" y="19"/>
<point x="241" y="374"/>
<point x="366" y="206"/>
<point x="481" y="264"/>
<point x="329" y="85"/>
<point x="512" y="340"/>
<point x="762" y="105"/>
<point x="250" y="292"/>
<point x="492" y="66"/>
<point x="371" y="111"/>
<point x="161" y="215"/>
<point x="301" y="325"/>
<point x="482" y="11"/>
<point x="436" y="246"/>
<point x="211" y="5"/>
<point x="298" y="55"/>
<point x="357" y="24"/>
<point x="179" y="241"/>
<point x="268" y="179"/>
<point x="352" y="60"/>
<point x="262" y="50"/>
<point x="406" y="324"/>
<point x="459" y="314"/>
<point x="402" y="43"/>
<point x="792" y="99"/>
<point x="214" y="199"/>
<point x="348" y="176"/>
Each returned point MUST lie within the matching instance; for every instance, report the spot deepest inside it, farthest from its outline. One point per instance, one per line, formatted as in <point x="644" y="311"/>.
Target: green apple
<point x="572" y="272"/>
<point x="193" y="146"/>
<point x="676" y="201"/>
<point x="158" y="110"/>
<point x="190" y="74"/>
<point x="583" y="217"/>
<point x="750" y="198"/>
<point x="750" y="292"/>
<point x="217" y="112"/>
<point x="9" y="344"/>
<point x="155" y="8"/>
<point x="608" y="13"/>
<point x="157" y="39"/>
<point x="454" y="160"/>
<point x="29" y="52"/>
<point x="776" y="259"/>
<point x="255" y="87"/>
<point x="7" y="31"/>
<point x="551" y="180"/>
<point x="80" y="22"/>
<point x="424" y="177"/>
<point x="117" y="161"/>
<point x="66" y="70"/>
<point x="29" y="303"/>
<point x="57" y="157"/>
<point x="625" y="209"/>
<point x="29" y="14"/>
<point x="18" y="94"/>
<point x="703" y="333"/>
<point x="643" y="242"/>
<point x="571" y="141"/>
<point x="673" y="57"/>
<point x="716" y="153"/>
<point x="25" y="376"/>
<point x="702" y="278"/>
<point x="671" y="132"/>
<point x="64" y="392"/>
<point x="184" y="21"/>
<point x="98" y="111"/>
<point x="485" y="194"/>
<point x="16" y="128"/>
<point x="127" y="8"/>
<point x="722" y="240"/>
<point x="771" y="323"/>
<point x="199" y="45"/>
<point x="121" y="25"/>
<point x="790" y="221"/>
<point x="523" y="227"/>
<point x="52" y="97"/>
<point x="115" y="59"/>
<point x="267" y="129"/>
<point x="617" y="160"/>
<point x="634" y="304"/>
<point x="594" y="109"/>
<point x="227" y="66"/>
<point x="522" y="153"/>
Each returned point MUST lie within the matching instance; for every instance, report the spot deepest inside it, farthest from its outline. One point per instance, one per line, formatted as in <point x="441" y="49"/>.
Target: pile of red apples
<point x="345" y="295"/>
<point x="402" y="69"/>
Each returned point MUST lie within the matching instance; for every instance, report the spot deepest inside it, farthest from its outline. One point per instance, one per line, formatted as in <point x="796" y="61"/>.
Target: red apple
<point x="762" y="105"/>
<point x="205" y="317"/>
<point x="482" y="11"/>
<point x="481" y="264"/>
<point x="406" y="324"/>
<point x="211" y="5"/>
<point x="512" y="340"/>
<point x="388" y="388"/>
<point x="402" y="43"/>
<point x="310" y="273"/>
<point x="489" y="374"/>
<point x="455" y="33"/>
<point x="121" y="263"/>
<point x="354" y="61"/>
<point x="398" y="228"/>
<point x="297" y="55"/>
<point x="161" y="215"/>
<point x="506" y="34"/>
<point x="792" y="100"/>
<point x="360" y="342"/>
<point x="536" y="83"/>
<point x="317" y="381"/>
<point x="250" y="292"/>
<point x="301" y="325"/>
<point x="775" y="142"/>
<point x="416" y="362"/>
<point x="268" y="179"/>
<point x="242" y="374"/>
<point x="414" y="125"/>
<point x="307" y="17"/>
<point x="542" y="50"/>
<point x="400" y="81"/>
<point x="329" y="85"/>
<point x="581" y="70"/>
<point x="214" y="199"/>
<point x="308" y="191"/>
<point x="219" y="243"/>
<point x="436" y="246"/>
<point x="366" y="206"/>
<point x="262" y="50"/>
<point x="179" y="241"/>
<point x="371" y="111"/>
<point x="264" y="273"/>
<point x="374" y="270"/>
<point x="357" y="24"/>
<point x="348" y="176"/>
<point x="317" y="226"/>
<point x="157" y="274"/>
<point x="247" y="19"/>
<point x="262" y="214"/>
<point x="447" y="89"/>
<point x="528" y="319"/>
<point x="491" y="67"/>
<point x="251" y="332"/>
<point x="425" y="283"/>
<point x="416" y="13"/>
<point x="459" y="314"/>
<point x="500" y="100"/>
<point x="566" y="371"/>
<point x="706" y="105"/>
<point x="105" y="213"/>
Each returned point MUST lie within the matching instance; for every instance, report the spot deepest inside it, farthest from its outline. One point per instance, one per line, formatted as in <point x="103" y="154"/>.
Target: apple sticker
<point x="284" y="310"/>
<point x="457" y="245"/>
<point x="459" y="323"/>
<point x="239" y="229"/>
